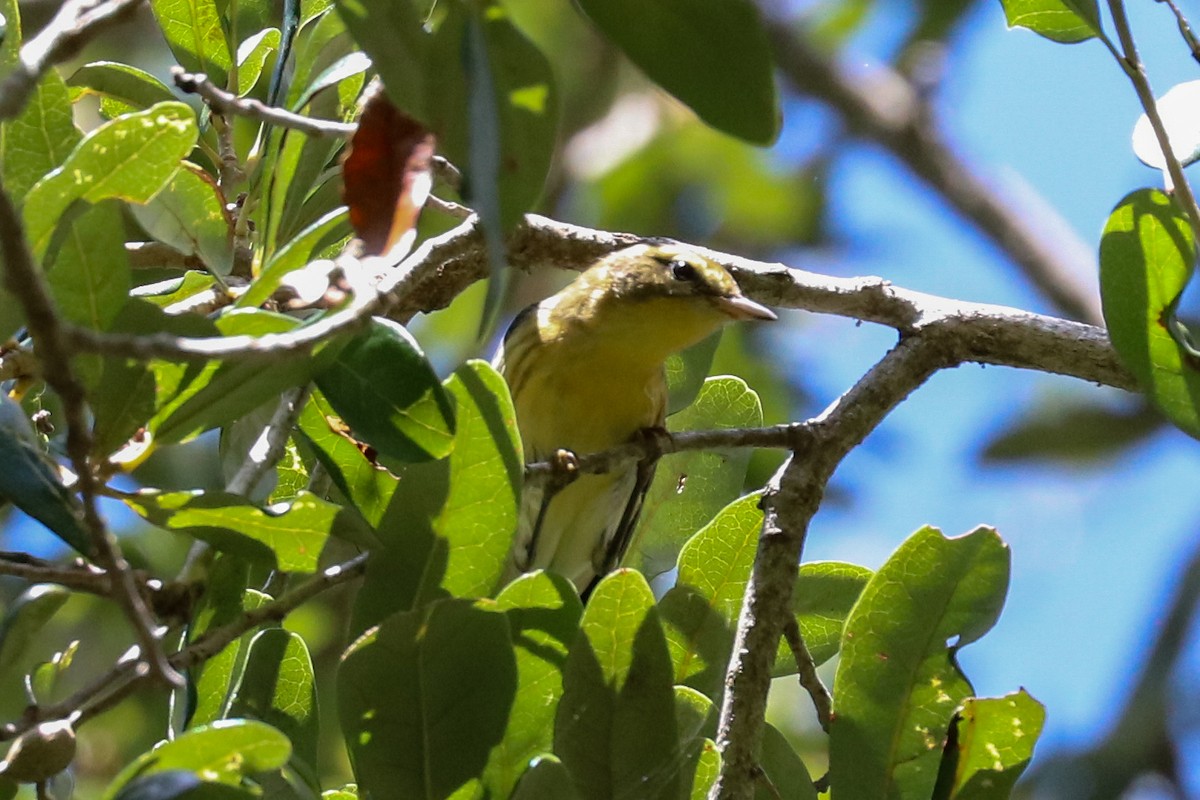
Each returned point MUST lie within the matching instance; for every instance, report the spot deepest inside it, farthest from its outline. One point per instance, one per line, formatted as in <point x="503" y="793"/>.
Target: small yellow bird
<point x="585" y="368"/>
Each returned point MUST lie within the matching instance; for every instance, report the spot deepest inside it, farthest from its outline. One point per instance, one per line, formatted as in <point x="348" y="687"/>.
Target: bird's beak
<point x="739" y="306"/>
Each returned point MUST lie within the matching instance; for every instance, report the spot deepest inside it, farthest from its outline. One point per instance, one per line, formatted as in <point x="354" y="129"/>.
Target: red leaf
<point x="387" y="174"/>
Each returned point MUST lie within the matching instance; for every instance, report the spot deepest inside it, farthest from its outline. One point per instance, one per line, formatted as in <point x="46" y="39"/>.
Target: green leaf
<point x="130" y="391"/>
<point x="40" y="138"/>
<point x="298" y="252"/>
<point x="129" y="158"/>
<point x="189" y="215"/>
<point x="543" y="613"/>
<point x="897" y="682"/>
<point x="226" y="598"/>
<point x="784" y="769"/>
<point x="252" y="57"/>
<point x="121" y="87"/>
<point x="347" y="792"/>
<point x="1146" y="257"/>
<point x="1073" y="431"/>
<point x="424" y="697"/>
<point x="689" y="488"/>
<point x="687" y="371"/>
<point x="824" y="594"/>
<point x="194" y="34"/>
<point x="715" y="57"/>
<point x="708" y="767"/>
<point x="696" y="720"/>
<point x="31" y="481"/>
<point x="34" y="143"/>
<point x="277" y="687"/>
<point x="615" y="729"/>
<point x="1064" y="21"/>
<point x="386" y="391"/>
<point x="449" y="526"/>
<point x="89" y="275"/>
<point x="223" y="752"/>
<point x="209" y="395"/>
<point x="179" y="784"/>
<point x="424" y="72"/>
<point x="992" y="744"/>
<point x="45" y="677"/>
<point x="365" y="483"/>
<point x="546" y="779"/>
<point x="701" y="610"/>
<point x="24" y="620"/>
<point x="286" y="536"/>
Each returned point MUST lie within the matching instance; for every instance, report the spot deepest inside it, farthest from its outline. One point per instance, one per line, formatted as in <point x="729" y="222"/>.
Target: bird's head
<point x="658" y="295"/>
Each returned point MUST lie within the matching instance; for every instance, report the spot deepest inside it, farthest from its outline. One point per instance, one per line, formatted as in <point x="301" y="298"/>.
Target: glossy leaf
<point x="278" y="687"/>
<point x="189" y="215"/>
<point x="226" y="598"/>
<point x="1065" y="21"/>
<point x="129" y="158"/>
<point x="287" y="536"/>
<point x="546" y="779"/>
<point x="543" y="613"/>
<point x="30" y="480"/>
<point x="180" y="785"/>
<point x="689" y="488"/>
<point x="825" y="592"/>
<point x="615" y="730"/>
<point x="122" y="88"/>
<point x="700" y="612"/>
<point x="193" y="32"/>
<point x="992" y="744"/>
<point x="897" y="682"/>
<point x="196" y="398"/>
<point x="1146" y="257"/>
<point x="89" y="273"/>
<point x="424" y="697"/>
<point x="252" y="57"/>
<point x="39" y="139"/>
<point x="386" y="391"/>
<point x="718" y="62"/>
<point x="223" y="752"/>
<point x="364" y="481"/>
<point x="449" y="526"/>
<point x="24" y="619"/>
<point x="783" y="768"/>
<point x="292" y="256"/>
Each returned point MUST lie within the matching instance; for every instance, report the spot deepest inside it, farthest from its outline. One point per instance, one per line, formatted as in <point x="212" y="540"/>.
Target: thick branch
<point x="789" y="504"/>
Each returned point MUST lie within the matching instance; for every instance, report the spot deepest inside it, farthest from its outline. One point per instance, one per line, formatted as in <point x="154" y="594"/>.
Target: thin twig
<point x="806" y="672"/>
<point x="76" y="22"/>
<point x="27" y="283"/>
<point x="84" y="578"/>
<point x="226" y="103"/>
<point x="1136" y="71"/>
<point x="1185" y="29"/>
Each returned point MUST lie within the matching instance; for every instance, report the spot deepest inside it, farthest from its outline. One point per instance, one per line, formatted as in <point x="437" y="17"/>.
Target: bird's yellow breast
<point x="584" y="399"/>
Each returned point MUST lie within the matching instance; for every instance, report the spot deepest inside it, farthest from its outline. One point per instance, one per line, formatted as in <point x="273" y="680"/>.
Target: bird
<point x="586" y="371"/>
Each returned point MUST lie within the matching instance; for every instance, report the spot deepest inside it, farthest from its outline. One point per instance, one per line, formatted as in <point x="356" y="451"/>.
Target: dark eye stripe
<point x="683" y="271"/>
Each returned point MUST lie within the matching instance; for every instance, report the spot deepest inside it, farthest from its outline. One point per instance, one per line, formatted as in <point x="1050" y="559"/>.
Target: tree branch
<point x="882" y="107"/>
<point x="225" y="102"/>
<point x="74" y="24"/>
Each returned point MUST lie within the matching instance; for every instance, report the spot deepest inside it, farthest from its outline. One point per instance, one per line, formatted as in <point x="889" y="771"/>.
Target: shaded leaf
<point x="546" y="779"/>
<point x="24" y="619"/>
<point x="824" y="594"/>
<point x="615" y="730"/>
<point x="1146" y="257"/>
<point x="277" y="687"/>
<point x="121" y="87"/>
<point x="897" y="682"/>
<point x="384" y="388"/>
<point x="718" y="63"/>
<point x="1072" y="431"/>
<point x="423" y="698"/>
<point x="991" y="744"/>
<point x="189" y="215"/>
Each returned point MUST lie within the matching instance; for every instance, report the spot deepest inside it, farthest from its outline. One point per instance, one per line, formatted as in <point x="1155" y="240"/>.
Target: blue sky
<point x="1095" y="550"/>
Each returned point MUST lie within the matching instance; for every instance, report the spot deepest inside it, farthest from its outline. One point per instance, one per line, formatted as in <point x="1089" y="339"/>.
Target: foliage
<point x="451" y="681"/>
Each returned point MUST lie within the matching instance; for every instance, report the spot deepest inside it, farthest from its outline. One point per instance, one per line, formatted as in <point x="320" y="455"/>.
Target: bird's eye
<point x="683" y="271"/>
